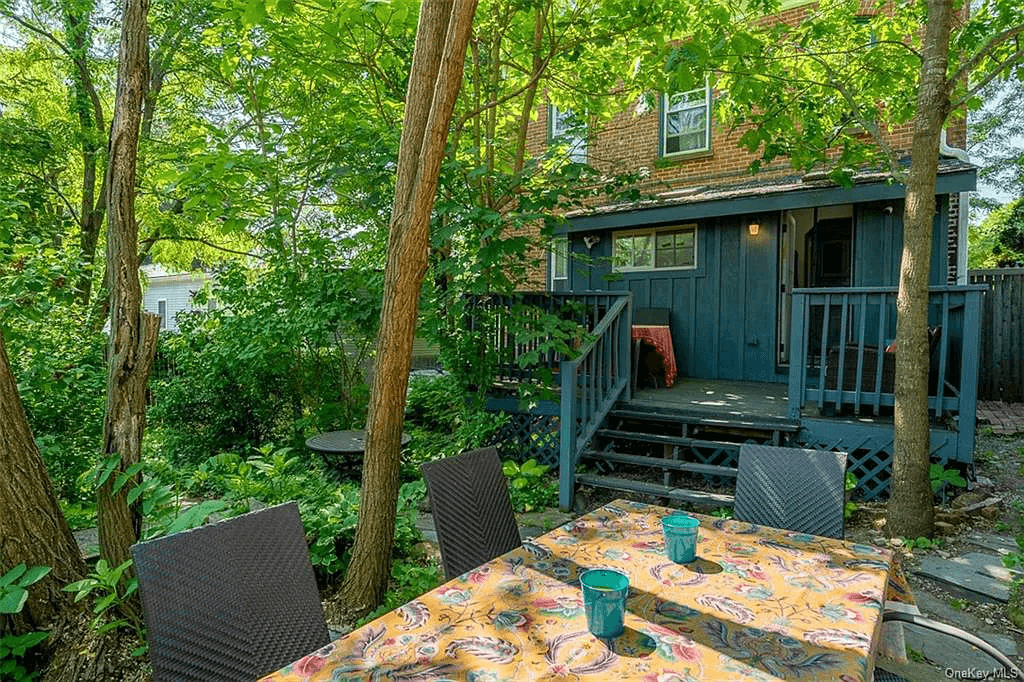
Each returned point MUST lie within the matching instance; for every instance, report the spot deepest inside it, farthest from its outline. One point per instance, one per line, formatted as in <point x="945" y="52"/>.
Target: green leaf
<point x="195" y="516"/>
<point x="255" y="12"/>
<point x="12" y="599"/>
<point x="34" y="575"/>
<point x="10" y="576"/>
<point x="30" y="639"/>
<point x="103" y="603"/>
<point x="107" y="627"/>
<point x="109" y="464"/>
<point x="126" y="475"/>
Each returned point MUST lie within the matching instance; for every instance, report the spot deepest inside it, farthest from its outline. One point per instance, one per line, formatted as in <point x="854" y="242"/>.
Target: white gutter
<point x="965" y="211"/>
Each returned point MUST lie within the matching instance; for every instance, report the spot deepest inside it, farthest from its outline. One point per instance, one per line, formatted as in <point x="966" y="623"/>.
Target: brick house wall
<point x="630" y="142"/>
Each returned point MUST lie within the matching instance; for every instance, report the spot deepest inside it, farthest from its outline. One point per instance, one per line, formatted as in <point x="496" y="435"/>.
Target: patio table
<point x="343" y="450"/>
<point x="758" y="603"/>
<point x="659" y="336"/>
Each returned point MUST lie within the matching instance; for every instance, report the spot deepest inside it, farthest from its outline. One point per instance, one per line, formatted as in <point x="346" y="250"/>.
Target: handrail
<point x="591" y="383"/>
<point x="501" y="330"/>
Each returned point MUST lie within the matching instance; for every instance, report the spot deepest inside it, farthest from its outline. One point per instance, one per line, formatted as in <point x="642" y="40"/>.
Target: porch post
<point x="567" y="436"/>
<point x="969" y="374"/>
<point x="797" y="355"/>
<point x="626" y="346"/>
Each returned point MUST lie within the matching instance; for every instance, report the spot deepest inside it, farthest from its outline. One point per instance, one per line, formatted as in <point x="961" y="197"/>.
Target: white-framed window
<point x="570" y="130"/>
<point x="161" y="310"/>
<point x="559" y="259"/>
<point x="686" y="122"/>
<point x="669" y="247"/>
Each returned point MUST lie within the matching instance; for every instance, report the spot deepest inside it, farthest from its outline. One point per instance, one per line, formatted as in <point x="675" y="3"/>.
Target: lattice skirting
<point x="526" y="435"/>
<point x="869" y="449"/>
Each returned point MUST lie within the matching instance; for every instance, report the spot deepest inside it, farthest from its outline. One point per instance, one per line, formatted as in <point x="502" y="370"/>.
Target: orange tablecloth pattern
<point x="757" y="604"/>
<point x="659" y="336"/>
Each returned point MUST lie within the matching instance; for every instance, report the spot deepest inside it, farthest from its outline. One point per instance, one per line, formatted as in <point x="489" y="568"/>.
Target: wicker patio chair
<point x="1012" y="671"/>
<point x="472" y="510"/>
<point x="791" y="488"/>
<point x="232" y="600"/>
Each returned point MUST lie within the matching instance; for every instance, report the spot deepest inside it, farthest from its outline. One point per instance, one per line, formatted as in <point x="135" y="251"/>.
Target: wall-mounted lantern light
<point x="754" y="228"/>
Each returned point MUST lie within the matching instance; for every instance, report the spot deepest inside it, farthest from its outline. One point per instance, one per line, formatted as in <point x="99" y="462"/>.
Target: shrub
<point x="530" y="486"/>
<point x="62" y="382"/>
<point x="283" y="355"/>
<point x="330" y="511"/>
<point x="443" y="423"/>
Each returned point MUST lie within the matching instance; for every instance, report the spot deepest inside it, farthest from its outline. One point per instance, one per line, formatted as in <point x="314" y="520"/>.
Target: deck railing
<point x="842" y="342"/>
<point x="512" y="325"/>
<point x="590" y="376"/>
<point x="591" y="383"/>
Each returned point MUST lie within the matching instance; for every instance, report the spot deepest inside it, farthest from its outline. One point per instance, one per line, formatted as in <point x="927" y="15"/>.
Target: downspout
<point x="964" y="211"/>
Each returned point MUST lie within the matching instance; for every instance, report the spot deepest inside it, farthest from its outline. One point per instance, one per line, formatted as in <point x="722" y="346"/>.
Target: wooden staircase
<point x="674" y="453"/>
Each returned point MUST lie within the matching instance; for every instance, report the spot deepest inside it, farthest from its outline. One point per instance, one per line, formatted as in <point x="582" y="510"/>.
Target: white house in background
<point x="170" y="293"/>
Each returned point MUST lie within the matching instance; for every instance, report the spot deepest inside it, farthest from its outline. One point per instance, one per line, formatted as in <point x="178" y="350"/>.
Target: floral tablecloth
<point x="659" y="336"/>
<point x="757" y="604"/>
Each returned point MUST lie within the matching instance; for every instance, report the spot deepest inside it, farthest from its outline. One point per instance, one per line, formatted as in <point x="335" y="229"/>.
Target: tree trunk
<point x="92" y="130"/>
<point x="438" y="58"/>
<point x="911" y="510"/>
<point x="133" y="333"/>
<point x="32" y="526"/>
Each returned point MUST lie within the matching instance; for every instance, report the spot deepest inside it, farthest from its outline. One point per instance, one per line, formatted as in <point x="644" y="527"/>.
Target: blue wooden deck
<point x="839" y="394"/>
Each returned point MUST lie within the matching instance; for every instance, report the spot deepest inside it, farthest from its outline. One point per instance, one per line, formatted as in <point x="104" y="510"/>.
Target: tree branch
<point x="205" y="242"/>
<point x="967" y="67"/>
<point x="40" y="31"/>
<point x="1011" y="61"/>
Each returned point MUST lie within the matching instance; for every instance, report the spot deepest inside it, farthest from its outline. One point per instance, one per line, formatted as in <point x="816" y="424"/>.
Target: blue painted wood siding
<point x="724" y="312"/>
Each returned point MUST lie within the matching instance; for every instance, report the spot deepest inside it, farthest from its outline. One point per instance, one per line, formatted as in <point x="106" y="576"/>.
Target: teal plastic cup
<point x="680" y="537"/>
<point x="604" y="600"/>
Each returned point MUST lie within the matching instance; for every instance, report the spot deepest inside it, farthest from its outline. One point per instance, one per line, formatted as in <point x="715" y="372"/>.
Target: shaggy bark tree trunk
<point x="438" y="58"/>
<point x="133" y="333"/>
<point x="911" y="511"/>
<point x="32" y="526"/>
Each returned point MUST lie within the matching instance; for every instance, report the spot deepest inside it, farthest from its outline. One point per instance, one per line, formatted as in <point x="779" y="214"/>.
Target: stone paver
<point x="1004" y="418"/>
<point x="966" y="579"/>
<point x="88" y="541"/>
<point x="994" y="543"/>
<point x="948" y="652"/>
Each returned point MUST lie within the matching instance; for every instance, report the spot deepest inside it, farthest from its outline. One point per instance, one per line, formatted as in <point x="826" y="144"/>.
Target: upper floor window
<point x="673" y="247"/>
<point x="559" y="259"/>
<point x="686" y="122"/>
<point x="568" y="129"/>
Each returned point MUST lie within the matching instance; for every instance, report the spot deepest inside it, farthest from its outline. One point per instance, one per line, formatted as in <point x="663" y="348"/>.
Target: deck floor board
<point x="717" y="397"/>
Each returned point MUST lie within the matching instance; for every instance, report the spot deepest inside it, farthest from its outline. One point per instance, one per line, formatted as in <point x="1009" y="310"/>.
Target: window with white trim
<point x="671" y="247"/>
<point x="560" y="257"/>
<point x="686" y="122"/>
<point x="161" y="310"/>
<point x="565" y="128"/>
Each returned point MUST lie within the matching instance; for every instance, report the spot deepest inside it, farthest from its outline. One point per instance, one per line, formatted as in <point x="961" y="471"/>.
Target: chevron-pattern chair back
<point x="791" y="488"/>
<point x="232" y="600"/>
<point x="472" y="510"/>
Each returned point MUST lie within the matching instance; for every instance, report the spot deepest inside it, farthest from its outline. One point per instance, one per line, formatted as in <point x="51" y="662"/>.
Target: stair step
<point x="661" y="463"/>
<point x="695" y="497"/>
<point x="785" y="425"/>
<point x="667" y="440"/>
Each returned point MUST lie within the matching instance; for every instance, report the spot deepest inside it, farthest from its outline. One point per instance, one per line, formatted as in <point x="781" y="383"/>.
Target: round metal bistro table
<point x="342" y="450"/>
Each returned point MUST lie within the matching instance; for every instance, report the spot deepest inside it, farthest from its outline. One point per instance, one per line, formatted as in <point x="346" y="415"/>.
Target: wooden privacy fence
<point x="1001" y="375"/>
